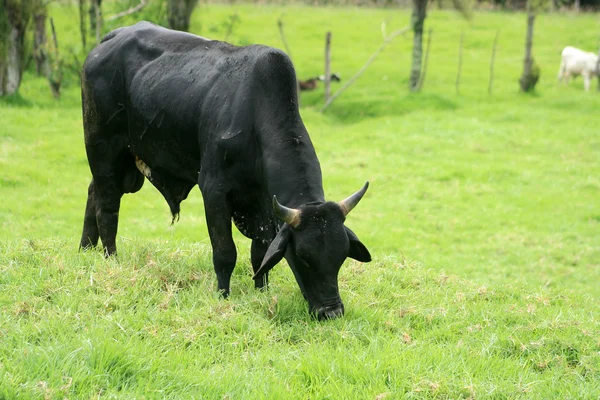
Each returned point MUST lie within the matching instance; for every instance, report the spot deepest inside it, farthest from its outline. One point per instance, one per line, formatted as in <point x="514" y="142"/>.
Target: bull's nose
<point x="330" y="312"/>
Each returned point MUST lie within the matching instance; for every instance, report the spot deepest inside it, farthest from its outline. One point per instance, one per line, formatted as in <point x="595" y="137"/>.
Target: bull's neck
<point x="293" y="172"/>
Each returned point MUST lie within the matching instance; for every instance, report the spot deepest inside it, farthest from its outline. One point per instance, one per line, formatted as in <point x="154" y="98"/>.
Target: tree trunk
<point x="82" y="27"/>
<point x="424" y="70"/>
<point x="98" y="21"/>
<point x="56" y="75"/>
<point x="418" y="21"/>
<point x="14" y="60"/>
<point x="13" y="38"/>
<point x="529" y="77"/>
<point x="92" y="12"/>
<point x="179" y="13"/>
<point x="39" y="42"/>
<point x="3" y="46"/>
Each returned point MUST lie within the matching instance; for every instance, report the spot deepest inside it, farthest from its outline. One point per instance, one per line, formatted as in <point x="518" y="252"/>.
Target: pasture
<point x="482" y="218"/>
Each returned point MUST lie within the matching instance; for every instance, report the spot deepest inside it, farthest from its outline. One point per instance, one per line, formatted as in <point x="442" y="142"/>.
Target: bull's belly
<point x="171" y="169"/>
<point x="154" y="170"/>
<point x="162" y="152"/>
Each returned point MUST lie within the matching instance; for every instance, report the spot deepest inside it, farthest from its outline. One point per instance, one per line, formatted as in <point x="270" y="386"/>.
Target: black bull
<point x="182" y="110"/>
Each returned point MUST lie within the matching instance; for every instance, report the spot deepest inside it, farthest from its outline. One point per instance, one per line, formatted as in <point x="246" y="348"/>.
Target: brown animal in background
<point x="313" y="83"/>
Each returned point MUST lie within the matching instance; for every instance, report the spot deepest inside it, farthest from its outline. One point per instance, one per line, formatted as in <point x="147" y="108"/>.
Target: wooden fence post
<point x="492" y="62"/>
<point x="327" y="65"/>
<point x="460" y="49"/>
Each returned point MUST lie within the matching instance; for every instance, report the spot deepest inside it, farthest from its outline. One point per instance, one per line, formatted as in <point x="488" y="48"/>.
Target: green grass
<point x="482" y="217"/>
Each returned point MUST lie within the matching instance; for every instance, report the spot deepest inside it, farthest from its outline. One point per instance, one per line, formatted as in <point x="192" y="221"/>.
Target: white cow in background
<point x="578" y="62"/>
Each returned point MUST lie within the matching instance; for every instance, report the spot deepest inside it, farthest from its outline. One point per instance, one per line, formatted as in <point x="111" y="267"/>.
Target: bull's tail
<point x="111" y="34"/>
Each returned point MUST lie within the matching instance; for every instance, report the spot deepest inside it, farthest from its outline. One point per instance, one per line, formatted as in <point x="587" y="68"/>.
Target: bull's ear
<point x="275" y="251"/>
<point x="358" y="251"/>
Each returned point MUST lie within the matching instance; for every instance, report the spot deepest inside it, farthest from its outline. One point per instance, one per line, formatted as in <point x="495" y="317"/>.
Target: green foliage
<point x="538" y="5"/>
<point x="482" y="218"/>
<point x="155" y="11"/>
<point x="225" y="28"/>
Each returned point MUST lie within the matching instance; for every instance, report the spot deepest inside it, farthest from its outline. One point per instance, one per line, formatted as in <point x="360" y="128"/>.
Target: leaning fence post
<point x="327" y="65"/>
<point x="363" y="68"/>
<point x="460" y="48"/>
<point x="492" y="62"/>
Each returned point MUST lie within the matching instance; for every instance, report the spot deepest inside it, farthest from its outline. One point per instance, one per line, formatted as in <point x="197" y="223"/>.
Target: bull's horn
<point x="289" y="215"/>
<point x="349" y="203"/>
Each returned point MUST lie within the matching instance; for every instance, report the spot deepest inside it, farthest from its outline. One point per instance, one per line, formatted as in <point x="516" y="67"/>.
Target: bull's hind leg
<point x="107" y="194"/>
<point x="106" y="139"/>
<point x="104" y="198"/>
<point x="114" y="173"/>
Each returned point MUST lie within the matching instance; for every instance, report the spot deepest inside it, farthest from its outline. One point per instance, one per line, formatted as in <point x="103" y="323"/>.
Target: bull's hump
<point x="148" y="41"/>
<point x="149" y="29"/>
<point x="170" y="40"/>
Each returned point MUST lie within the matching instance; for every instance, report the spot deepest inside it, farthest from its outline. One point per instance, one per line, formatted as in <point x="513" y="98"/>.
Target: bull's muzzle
<point x="329" y="312"/>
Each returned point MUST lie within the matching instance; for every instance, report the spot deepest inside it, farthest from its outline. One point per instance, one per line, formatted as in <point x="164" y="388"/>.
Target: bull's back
<point x="181" y="93"/>
<point x="179" y="72"/>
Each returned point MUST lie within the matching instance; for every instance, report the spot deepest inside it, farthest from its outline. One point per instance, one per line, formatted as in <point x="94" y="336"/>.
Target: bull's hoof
<point x="109" y="253"/>
<point x="86" y="247"/>
<point x="261" y="283"/>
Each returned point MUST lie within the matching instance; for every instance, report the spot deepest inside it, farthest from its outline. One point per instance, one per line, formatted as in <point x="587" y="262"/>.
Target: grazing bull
<point x="575" y="62"/>
<point x="181" y="110"/>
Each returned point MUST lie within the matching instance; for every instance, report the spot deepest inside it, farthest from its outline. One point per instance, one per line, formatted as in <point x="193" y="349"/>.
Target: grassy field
<point x="483" y="218"/>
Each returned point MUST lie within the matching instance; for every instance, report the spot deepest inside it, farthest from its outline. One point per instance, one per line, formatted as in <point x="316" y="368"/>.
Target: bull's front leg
<point x="257" y="253"/>
<point x="218" y="220"/>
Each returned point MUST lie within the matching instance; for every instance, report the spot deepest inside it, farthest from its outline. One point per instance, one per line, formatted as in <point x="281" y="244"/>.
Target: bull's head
<point x="315" y="243"/>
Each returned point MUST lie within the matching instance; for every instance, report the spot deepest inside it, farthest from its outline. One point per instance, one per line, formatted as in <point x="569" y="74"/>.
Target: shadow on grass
<point x="15" y="100"/>
<point x="350" y="110"/>
<point x="34" y="92"/>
